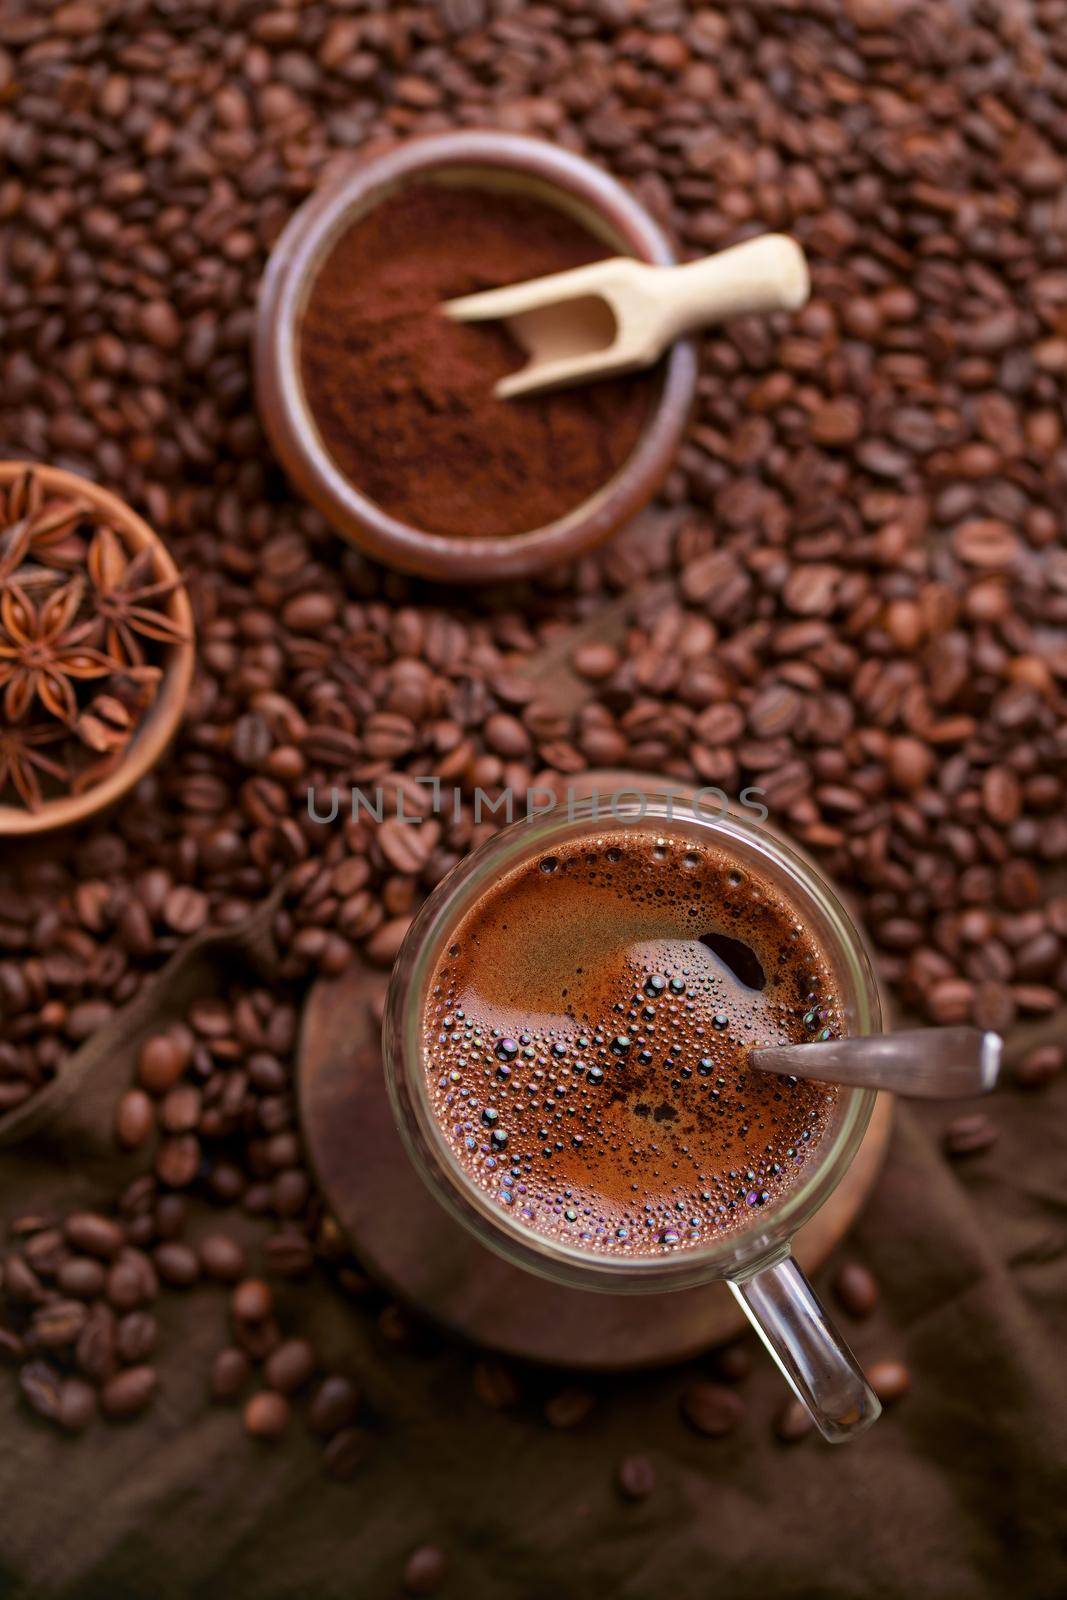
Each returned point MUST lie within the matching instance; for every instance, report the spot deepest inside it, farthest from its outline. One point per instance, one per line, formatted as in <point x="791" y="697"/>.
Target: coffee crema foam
<point x="586" y="1036"/>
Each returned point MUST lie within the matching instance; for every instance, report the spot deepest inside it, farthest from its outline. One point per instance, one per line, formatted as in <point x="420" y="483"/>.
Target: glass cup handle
<point x="820" y="1368"/>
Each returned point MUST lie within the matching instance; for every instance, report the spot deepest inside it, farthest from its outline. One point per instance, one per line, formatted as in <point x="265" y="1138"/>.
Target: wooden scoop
<point x="616" y="315"/>
<point x="919" y="1063"/>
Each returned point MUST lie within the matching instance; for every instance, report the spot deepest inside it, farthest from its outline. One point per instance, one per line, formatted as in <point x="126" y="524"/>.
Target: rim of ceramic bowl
<point x="158" y="727"/>
<point x="557" y="175"/>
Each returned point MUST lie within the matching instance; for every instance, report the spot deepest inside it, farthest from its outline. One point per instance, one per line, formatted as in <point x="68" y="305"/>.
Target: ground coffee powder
<point x="403" y="397"/>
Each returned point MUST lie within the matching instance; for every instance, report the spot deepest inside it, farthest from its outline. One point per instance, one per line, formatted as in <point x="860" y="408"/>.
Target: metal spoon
<point x="615" y="315"/>
<point x="919" y="1063"/>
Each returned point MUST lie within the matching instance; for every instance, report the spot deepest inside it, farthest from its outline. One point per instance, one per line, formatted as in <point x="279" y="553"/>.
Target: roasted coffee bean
<point x="496" y="1385"/>
<point x="169" y="1216"/>
<point x="96" y="1235"/>
<point x="42" y="1388"/>
<point x="21" y="1283"/>
<point x="178" y="1160"/>
<point x="252" y="1301"/>
<point x="134" y="1119"/>
<point x="221" y="1258"/>
<point x="58" y="1323"/>
<point x="12" y="1348"/>
<point x="139" y="1230"/>
<point x="137" y="1197"/>
<point x="289" y="1193"/>
<point x="712" y="1409"/>
<point x="733" y="1363"/>
<point x="136" y="1335"/>
<point x="229" y="1374"/>
<point x="45" y="1252"/>
<point x="77" y="1405"/>
<point x="856" y="1289"/>
<point x="160" y="1063"/>
<point x="425" y="1570"/>
<point x="334" y="1404"/>
<point x="180" y="1109"/>
<point x="267" y="1415"/>
<point x="636" y="1477"/>
<point x="185" y="909"/>
<point x="568" y="1408"/>
<point x="793" y="1422"/>
<point x="177" y="1264"/>
<point x="95" y="1353"/>
<point x="258" y="1339"/>
<point x="131" y="1281"/>
<point x="226" y="1182"/>
<point x="129" y="1392"/>
<point x="970" y="1135"/>
<point x="890" y="1380"/>
<point x="595" y="661"/>
<point x="290" y="1366"/>
<point x="344" y="1453"/>
<point x="1037" y="1068"/>
<point x="289" y="1254"/>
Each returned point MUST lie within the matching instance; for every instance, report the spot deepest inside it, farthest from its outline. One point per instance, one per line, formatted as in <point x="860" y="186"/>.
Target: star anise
<point x="42" y="649"/>
<point x="21" y="759"/>
<point x="83" y="635"/>
<point x="14" y="544"/>
<point x="18" y="572"/>
<point x="131" y="608"/>
<point x="24" y="497"/>
<point x="33" y="527"/>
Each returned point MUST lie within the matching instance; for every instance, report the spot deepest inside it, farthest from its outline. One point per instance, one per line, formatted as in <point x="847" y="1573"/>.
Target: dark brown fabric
<point x="957" y="1494"/>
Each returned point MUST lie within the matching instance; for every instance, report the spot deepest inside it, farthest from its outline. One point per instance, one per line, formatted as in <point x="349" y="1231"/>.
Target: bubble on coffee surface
<point x="586" y="1038"/>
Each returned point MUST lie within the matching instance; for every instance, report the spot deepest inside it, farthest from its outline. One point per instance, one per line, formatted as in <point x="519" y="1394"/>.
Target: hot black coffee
<point x="586" y="1039"/>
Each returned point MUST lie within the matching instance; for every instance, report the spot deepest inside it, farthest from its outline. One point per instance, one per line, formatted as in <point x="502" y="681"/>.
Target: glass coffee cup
<point x="754" y="1259"/>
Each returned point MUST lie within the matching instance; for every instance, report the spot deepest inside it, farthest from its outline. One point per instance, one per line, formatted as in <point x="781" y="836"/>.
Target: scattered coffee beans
<point x="970" y="1135"/>
<point x="252" y="1301"/>
<point x="334" y="1405"/>
<point x="890" y="1380"/>
<point x="636" y="1477"/>
<point x="221" y="1258"/>
<point x="345" y="1453"/>
<point x="229" y="1374"/>
<point x="77" y="1405"/>
<point x="128" y="1392"/>
<point x="267" y="1415"/>
<point x="290" y="1366"/>
<point x="793" y="1422"/>
<point x="712" y="1409"/>
<point x="856" y="1288"/>
<point x="1039" y="1066"/>
<point x="733" y="1362"/>
<point x="424" y="1570"/>
<point x="496" y="1385"/>
<point x="855" y="600"/>
<point x="569" y="1408"/>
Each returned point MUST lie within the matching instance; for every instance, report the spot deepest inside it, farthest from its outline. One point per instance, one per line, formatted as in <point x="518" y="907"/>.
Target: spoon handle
<point x="919" y="1063"/>
<point x="753" y="278"/>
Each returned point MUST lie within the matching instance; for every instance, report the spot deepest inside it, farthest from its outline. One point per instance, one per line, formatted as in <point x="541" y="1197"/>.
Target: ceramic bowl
<point x="484" y="160"/>
<point x="158" y="726"/>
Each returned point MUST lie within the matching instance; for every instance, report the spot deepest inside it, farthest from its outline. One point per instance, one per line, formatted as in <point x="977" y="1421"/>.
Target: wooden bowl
<point x="158" y="726"/>
<point x="511" y="163"/>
